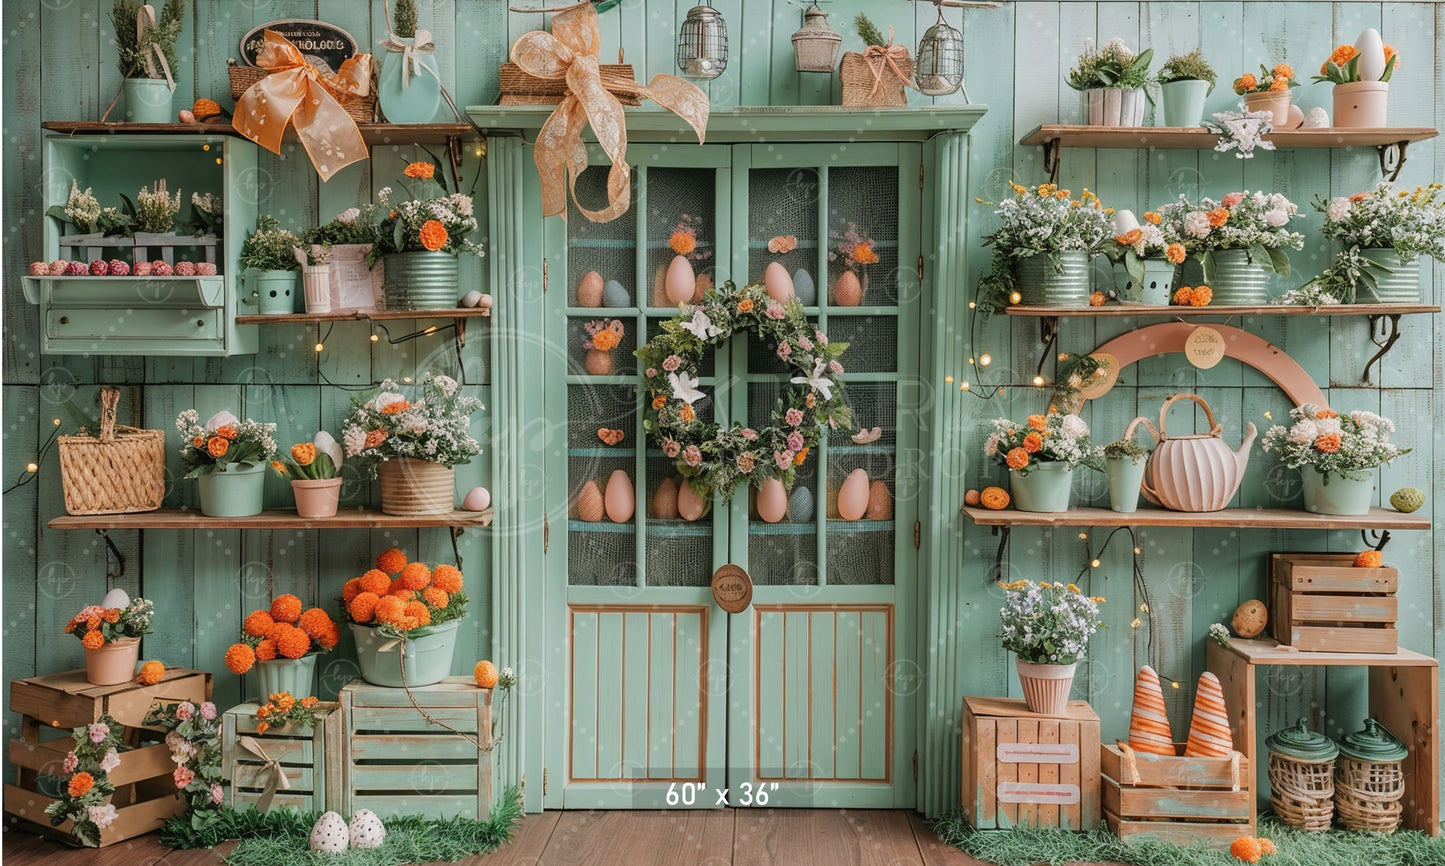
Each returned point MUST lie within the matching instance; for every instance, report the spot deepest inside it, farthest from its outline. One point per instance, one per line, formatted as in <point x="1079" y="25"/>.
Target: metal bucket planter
<point x="422" y="281"/>
<point x="1239" y="281"/>
<point x="235" y="492"/>
<point x="1040" y="284"/>
<point x="1395" y="281"/>
<point x="1046" y="488"/>
<point x="275" y="292"/>
<point x="1156" y="287"/>
<point x="295" y="677"/>
<point x="428" y="655"/>
<point x="148" y="100"/>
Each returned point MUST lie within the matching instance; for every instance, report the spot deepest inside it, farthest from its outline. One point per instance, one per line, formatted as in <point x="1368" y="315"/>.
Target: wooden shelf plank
<point x="372" y="133"/>
<point x="271" y="518"/>
<point x="1198" y="138"/>
<point x="1250" y="518"/>
<point x="1131" y="309"/>
<point x="1268" y="652"/>
<point x="377" y="316"/>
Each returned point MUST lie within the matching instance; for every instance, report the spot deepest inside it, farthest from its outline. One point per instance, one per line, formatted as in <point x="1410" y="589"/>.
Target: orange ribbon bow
<point x="298" y="93"/>
<point x="879" y="56"/>
<point x="570" y="53"/>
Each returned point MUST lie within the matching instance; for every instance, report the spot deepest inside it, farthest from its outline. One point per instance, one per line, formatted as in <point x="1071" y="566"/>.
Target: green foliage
<point x="1187" y="67"/>
<point x="270" y="247"/>
<point x="1121" y="448"/>
<point x="404" y="19"/>
<point x="1114" y="65"/>
<point x="132" y="49"/>
<point x="196" y="750"/>
<point x="868" y="31"/>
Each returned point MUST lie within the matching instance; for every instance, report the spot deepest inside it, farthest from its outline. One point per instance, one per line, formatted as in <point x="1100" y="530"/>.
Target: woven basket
<point x="1302" y="793"/>
<point x="858" y="82"/>
<point x="520" y="88"/>
<point x="361" y="108"/>
<point x="1368" y="794"/>
<point x="121" y="471"/>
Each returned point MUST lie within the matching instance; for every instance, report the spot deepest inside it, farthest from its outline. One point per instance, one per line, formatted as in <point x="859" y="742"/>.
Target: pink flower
<point x="784" y="459"/>
<point x="692" y="455"/>
<point x="784" y="351"/>
<point x="834" y="367"/>
<point x="774" y="312"/>
<point x="183" y="776"/>
<point x="216" y="793"/>
<point x="652" y="372"/>
<point x="184" y="710"/>
<point x="750" y="434"/>
<point x="670" y="447"/>
<point x="208" y="711"/>
<point x="821" y="337"/>
<point x="794" y="417"/>
<point x="746" y="463"/>
<point x="1233" y="199"/>
<point x="805" y="344"/>
<point x="98" y="732"/>
<point x="101" y="816"/>
<point x="70" y="763"/>
<point x="671" y="363"/>
<point x="795" y="440"/>
<point x="110" y="761"/>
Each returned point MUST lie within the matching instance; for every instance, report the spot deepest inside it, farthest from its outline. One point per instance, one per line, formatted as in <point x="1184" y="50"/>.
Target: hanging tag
<point x="1204" y="347"/>
<point x="732" y="589"/>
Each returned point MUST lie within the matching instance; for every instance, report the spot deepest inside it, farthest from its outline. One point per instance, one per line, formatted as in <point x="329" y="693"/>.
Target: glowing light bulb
<point x="406" y="380"/>
<point x="985" y="359"/>
<point x="1063" y="356"/>
<point x="1174" y="685"/>
<point x="1137" y="551"/>
<point x="205" y="147"/>
<point x="1093" y="563"/>
<point x="1134" y="623"/>
<point x="1014" y="297"/>
<point x="1038" y="380"/>
<point x="431" y="330"/>
<point x="375" y="338"/>
<point x="218" y="160"/>
<point x="57" y="422"/>
<point x="31" y="467"/>
<point x="971" y="305"/>
<point x="319" y="347"/>
<point x="1000" y="392"/>
<point x="963" y="387"/>
<point x="948" y="379"/>
<point x="1084" y="535"/>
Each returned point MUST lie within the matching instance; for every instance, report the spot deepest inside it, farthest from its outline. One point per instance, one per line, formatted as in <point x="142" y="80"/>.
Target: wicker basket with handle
<point x="361" y="108"/>
<point x="120" y="471"/>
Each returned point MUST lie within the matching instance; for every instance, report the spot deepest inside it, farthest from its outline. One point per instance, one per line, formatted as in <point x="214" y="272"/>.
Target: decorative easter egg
<point x="589" y="291"/>
<point x="690" y="506"/>
<point x="777" y="282"/>
<point x="477" y="499"/>
<point x="847" y="290"/>
<point x="472" y="298"/>
<point x="185" y="115"/>
<point x="1407" y="499"/>
<point x="1296" y="117"/>
<point x="1125" y="221"/>
<point x="589" y="503"/>
<point x="681" y="281"/>
<point x="1371" y="64"/>
<point x="613" y="295"/>
<point x="853" y="496"/>
<point x="1317" y="118"/>
<point x="115" y="598"/>
<point x="800" y="505"/>
<point x="772" y="501"/>
<point x="484" y="302"/>
<point x="664" y="501"/>
<point x="330" y="834"/>
<point x="1250" y="618"/>
<point x="485" y="674"/>
<point x="701" y="287"/>
<point x="620" y="499"/>
<point x="804" y="288"/>
<point x="366" y="830"/>
<point x="880" y="502"/>
<point x="971" y="498"/>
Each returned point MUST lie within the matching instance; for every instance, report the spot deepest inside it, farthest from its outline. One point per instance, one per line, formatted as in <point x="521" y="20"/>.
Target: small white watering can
<point x="1197" y="472"/>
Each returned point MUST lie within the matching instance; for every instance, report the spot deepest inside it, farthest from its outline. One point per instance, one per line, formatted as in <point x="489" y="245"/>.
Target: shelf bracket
<point x="110" y="576"/>
<point x="454" y="154"/>
<point x="1052" y="150"/>
<point x="1002" y="533"/>
<point x="459" y="333"/>
<point x="1049" y="337"/>
<point x="1385" y="333"/>
<point x="456" y="532"/>
<point x="1392" y="159"/>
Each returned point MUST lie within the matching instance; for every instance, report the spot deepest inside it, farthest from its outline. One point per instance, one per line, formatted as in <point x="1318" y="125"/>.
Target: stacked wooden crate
<point x="1023" y="768"/>
<point x="1322" y="602"/>
<point x="1174" y="798"/>
<point x="310" y="758"/>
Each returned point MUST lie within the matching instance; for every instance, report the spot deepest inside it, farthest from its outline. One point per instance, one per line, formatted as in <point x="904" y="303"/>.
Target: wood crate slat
<point x="308" y="757"/>
<point x="1321" y="601"/>
<point x="1025" y="768"/>
<point x="408" y="719"/>
<point x="1183" y="833"/>
<point x="1181" y="799"/>
<point x="68" y="700"/>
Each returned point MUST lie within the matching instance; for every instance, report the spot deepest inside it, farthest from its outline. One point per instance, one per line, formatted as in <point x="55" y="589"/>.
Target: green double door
<point x="807" y="698"/>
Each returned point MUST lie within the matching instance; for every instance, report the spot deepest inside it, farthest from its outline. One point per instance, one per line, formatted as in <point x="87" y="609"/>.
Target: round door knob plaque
<point x="732" y="589"/>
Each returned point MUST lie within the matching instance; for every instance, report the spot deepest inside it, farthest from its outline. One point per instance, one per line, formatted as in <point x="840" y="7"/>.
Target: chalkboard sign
<point x="326" y="46"/>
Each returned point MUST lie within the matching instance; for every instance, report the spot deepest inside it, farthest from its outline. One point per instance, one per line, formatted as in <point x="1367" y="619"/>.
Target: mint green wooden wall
<point x="57" y="65"/>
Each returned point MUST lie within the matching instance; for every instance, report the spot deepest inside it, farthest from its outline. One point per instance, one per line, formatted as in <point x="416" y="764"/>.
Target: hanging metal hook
<point x="111" y="577"/>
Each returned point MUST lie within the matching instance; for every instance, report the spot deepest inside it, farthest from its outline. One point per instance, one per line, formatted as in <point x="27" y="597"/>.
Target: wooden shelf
<point x="271" y="518"/>
<point x="1131" y="309"/>
<point x="1268" y="652"/>
<point x="372" y="133"/>
<point x="1249" y="518"/>
<point x="375" y="315"/>
<point x="1199" y="138"/>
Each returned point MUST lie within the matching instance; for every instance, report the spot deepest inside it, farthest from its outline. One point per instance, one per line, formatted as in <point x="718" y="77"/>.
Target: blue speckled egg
<point x="800" y="503"/>
<point x="805" y="288"/>
<point x="613" y="295"/>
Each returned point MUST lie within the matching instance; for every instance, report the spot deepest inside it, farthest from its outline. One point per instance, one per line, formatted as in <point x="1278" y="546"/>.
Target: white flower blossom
<point x="1276" y="217"/>
<point x="1196" y="224"/>
<point x="349" y="216"/>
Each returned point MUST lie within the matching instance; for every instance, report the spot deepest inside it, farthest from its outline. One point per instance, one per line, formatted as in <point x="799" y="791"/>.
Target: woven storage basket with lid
<point x="1369" y="781"/>
<point x="1302" y="777"/>
<point x="120" y="471"/>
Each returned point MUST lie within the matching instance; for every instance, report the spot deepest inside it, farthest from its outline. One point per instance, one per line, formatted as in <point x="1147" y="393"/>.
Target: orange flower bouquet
<point x="433" y="218"/>
<point x="111" y="638"/>
<point x="404" y="616"/>
<point x="283" y="709"/>
<point x="281" y="644"/>
<point x="223" y="441"/>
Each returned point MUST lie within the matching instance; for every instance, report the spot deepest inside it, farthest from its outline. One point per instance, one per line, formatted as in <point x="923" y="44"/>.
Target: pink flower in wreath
<point x="750" y="434"/>
<point x="794" y="417"/>
<point x="746" y="463"/>
<point x="692" y="455"/>
<point x="183" y="776"/>
<point x="795" y="440"/>
<point x="821" y="337"/>
<point x="1233" y="199"/>
<point x="217" y="795"/>
<point x="785" y="351"/>
<point x="652" y="372"/>
<point x="184" y="710"/>
<point x="670" y="447"/>
<point x="208" y="711"/>
<point x="784" y="459"/>
<point x="110" y="761"/>
<point x="671" y="363"/>
<point x="805" y="344"/>
<point x="774" y="312"/>
<point x="834" y="367"/>
<point x="98" y="732"/>
<point x="70" y="763"/>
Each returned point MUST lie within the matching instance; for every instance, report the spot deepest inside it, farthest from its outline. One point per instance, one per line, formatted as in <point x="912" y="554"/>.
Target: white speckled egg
<point x="853" y="496"/>
<point x="1317" y="118"/>
<point x="772" y="501"/>
<point x="366" y="830"/>
<point x="620" y="500"/>
<point x="330" y="834"/>
<point x="477" y="499"/>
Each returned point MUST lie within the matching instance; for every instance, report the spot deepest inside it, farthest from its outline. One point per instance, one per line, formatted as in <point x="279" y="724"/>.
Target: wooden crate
<point x="1023" y="768"/>
<point x="1319" y="602"/>
<point x="51" y="706"/>
<point x="1176" y="799"/>
<point x="398" y="763"/>
<point x="310" y="758"/>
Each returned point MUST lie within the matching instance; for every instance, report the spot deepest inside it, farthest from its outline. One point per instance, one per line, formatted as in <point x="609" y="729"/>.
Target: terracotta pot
<point x="1046" y="687"/>
<point x="316" y="497"/>
<point x="598" y="362"/>
<point x="410" y="486"/>
<point x="1275" y="102"/>
<point x="1362" y="104"/>
<point x="113" y="663"/>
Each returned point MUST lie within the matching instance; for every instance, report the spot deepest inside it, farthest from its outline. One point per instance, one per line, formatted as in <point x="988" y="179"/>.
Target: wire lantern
<point x="815" y="45"/>
<point x="702" y="46"/>
<point x="939" y="69"/>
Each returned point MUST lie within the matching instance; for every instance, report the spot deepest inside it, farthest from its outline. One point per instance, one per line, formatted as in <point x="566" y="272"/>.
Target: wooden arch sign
<point x="1172" y="337"/>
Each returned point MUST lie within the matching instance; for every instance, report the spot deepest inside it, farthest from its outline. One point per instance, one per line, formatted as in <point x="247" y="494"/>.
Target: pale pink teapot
<point x="1197" y="472"/>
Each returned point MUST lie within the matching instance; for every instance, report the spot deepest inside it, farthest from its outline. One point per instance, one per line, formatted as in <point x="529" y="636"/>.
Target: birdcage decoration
<point x="939" y="69"/>
<point x="702" y="46"/>
<point x="815" y="46"/>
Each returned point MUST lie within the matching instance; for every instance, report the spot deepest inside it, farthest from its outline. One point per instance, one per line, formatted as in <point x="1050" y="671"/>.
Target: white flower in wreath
<point x="817" y="381"/>
<point x="684" y="387"/>
<point x="701" y="326"/>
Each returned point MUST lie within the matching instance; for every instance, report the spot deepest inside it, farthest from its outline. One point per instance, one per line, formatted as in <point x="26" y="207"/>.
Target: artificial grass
<point x="1030" y="846"/>
<point x="280" y="837"/>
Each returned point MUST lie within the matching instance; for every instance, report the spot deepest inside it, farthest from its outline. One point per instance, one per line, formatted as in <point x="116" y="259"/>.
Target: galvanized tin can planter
<point x="1238" y="281"/>
<point x="1040" y="284"/>
<point x="422" y="281"/>
<point x="1156" y="287"/>
<point x="1395" y="281"/>
<point x="296" y="677"/>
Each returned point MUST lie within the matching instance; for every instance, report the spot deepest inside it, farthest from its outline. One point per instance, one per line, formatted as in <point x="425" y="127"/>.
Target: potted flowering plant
<point x="267" y="253"/>
<point x="1383" y="232"/>
<point x="282" y="712"/>
<point x="1184" y="81"/>
<point x="408" y="602"/>
<point x="1335" y="455"/>
<point x="1041" y="455"/>
<point x="281" y="644"/>
<point x="111" y="638"/>
<point x="602" y="337"/>
<point x="1124" y="464"/>
<point x="1143" y="258"/>
<point x="146" y="50"/>
<point x="1361" y="79"/>
<point x="1047" y="626"/>
<point x="1238" y="240"/>
<point x="85" y="799"/>
<point x="1041" y="252"/>
<point x="315" y="471"/>
<point x="421" y="238"/>
<point x="1112" y="79"/>
<point x="227" y="457"/>
<point x="1268" y="91"/>
<point x="857" y="250"/>
<point x="350" y="238"/>
<point x="413" y="447"/>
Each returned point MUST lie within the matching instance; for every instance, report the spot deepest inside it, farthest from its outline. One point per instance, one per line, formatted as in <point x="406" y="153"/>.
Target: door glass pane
<point x="783" y="553"/>
<point x="599" y="551"/>
<point x="679" y="552"/>
<point x="861" y="551"/>
<point x="681" y="208"/>
<point x="781" y="202"/>
<point x="862" y="207"/>
<point x="607" y="248"/>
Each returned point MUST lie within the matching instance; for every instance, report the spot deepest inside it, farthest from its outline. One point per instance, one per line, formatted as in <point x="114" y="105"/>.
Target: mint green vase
<point x="1126" y="475"/>
<point x="296" y="677"/>
<point x="428" y="655"/>
<point x="1045" y="488"/>
<point x="232" y="491"/>
<point x="1330" y="493"/>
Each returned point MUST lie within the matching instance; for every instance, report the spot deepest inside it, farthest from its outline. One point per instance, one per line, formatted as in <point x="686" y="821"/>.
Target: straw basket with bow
<point x="878" y="77"/>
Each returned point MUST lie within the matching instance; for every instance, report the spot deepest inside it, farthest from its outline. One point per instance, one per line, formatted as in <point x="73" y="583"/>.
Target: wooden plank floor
<point x="737" y="837"/>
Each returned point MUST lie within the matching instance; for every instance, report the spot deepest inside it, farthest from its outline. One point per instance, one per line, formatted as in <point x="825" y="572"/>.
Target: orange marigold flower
<point x="239" y="658"/>
<point x="1266" y="846"/>
<point x="1175" y="254"/>
<point x="1218" y="217"/>
<point x="199" y="442"/>
<point x="309" y="702"/>
<point x="1283" y="70"/>
<point x="396" y="408"/>
<point x="745" y="305"/>
<point x="1279" y="85"/>
<point x="1033" y="443"/>
<point x="1327" y="443"/>
<point x="1326" y="413"/>
<point x="374" y="438"/>
<point x="1359" y="197"/>
<point x="1038" y="422"/>
<point x="304" y="453"/>
<point x="217" y="446"/>
<point x="1017" y="458"/>
<point x="1246" y="81"/>
<point x="331" y="638"/>
<point x="1152" y="217"/>
<point x="403" y="594"/>
<point x="1129" y="238"/>
<point x="419" y="170"/>
<point x="1201" y="297"/>
<point x="111" y="615"/>
<point x="264" y="711"/>
<point x="70" y="627"/>
<point x="258" y="623"/>
<point x="315" y="621"/>
<point x="605" y="339"/>
<point x="151" y="673"/>
<point x="433" y="235"/>
<point x="436" y="597"/>
<point x="390" y="610"/>
<point x="265" y="650"/>
<point x="93" y="640"/>
<point x="415" y="576"/>
<point x="800" y="457"/>
<point x="363" y="607"/>
<point x="1183" y="296"/>
<point x="280" y="468"/>
<point x="376" y="581"/>
<point x="351" y="589"/>
<point x="1246" y="849"/>
<point x="226" y="431"/>
<point x="93" y="622"/>
<point x="683" y="243"/>
<point x="261" y="727"/>
<point x="1097" y="299"/>
<point x="418" y="611"/>
<point x="286" y="608"/>
<point x="863" y="254"/>
<point x="447" y="578"/>
<point x="80" y="784"/>
<point x="293" y="644"/>
<point x="659" y="401"/>
<point x="1342" y="55"/>
<point x="391" y="561"/>
<point x="687" y="414"/>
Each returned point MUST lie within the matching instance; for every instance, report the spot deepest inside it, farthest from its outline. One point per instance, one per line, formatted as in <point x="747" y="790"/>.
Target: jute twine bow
<point x="399" y="645"/>
<point x="276" y="775"/>
<point x="879" y="56"/>
<point x="297" y="93"/>
<point x="411" y="60"/>
<point x="570" y="53"/>
<point x="145" y="19"/>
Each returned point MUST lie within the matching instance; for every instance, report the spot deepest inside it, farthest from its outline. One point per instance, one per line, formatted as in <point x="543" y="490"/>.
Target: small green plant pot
<point x="1395" y="282"/>
<point x="1183" y="102"/>
<point x="148" y="100"/>
<point x="275" y="292"/>
<point x="1328" y="493"/>
<point x="1046" y="488"/>
<point x="296" y="677"/>
<point x="1126" y="475"/>
<point x="234" y="492"/>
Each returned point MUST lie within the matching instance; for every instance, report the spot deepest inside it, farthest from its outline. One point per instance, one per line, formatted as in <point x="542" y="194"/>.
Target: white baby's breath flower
<point x="1196" y="224"/>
